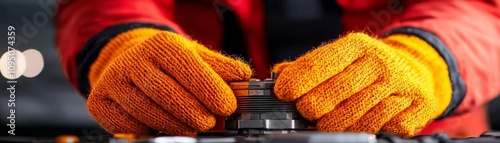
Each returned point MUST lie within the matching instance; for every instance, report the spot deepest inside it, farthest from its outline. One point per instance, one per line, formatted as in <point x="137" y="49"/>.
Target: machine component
<point x="261" y="112"/>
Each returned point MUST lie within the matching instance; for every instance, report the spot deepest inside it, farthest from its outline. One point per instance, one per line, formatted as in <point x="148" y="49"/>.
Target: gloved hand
<point x="147" y="80"/>
<point x="361" y="84"/>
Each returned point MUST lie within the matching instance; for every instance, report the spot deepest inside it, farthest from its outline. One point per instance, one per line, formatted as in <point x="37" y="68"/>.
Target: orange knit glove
<point x="147" y="80"/>
<point x="361" y="84"/>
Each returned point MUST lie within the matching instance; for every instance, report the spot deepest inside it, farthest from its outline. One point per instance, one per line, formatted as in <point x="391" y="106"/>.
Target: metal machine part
<point x="261" y="112"/>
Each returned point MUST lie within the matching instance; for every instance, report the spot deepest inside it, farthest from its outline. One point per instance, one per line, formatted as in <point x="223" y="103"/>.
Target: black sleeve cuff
<point x="93" y="46"/>
<point x="458" y="86"/>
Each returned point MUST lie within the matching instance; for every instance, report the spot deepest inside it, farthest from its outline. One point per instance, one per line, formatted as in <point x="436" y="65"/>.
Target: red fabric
<point x="191" y="14"/>
<point x="361" y="5"/>
<point x="251" y="16"/>
<point x="469" y="28"/>
<point x="368" y="16"/>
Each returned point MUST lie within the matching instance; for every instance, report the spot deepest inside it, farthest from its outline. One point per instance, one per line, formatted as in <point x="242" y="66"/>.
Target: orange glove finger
<point x="166" y="92"/>
<point x="229" y="69"/>
<point x="111" y="116"/>
<point x="281" y="66"/>
<point x="405" y="124"/>
<point x="146" y="111"/>
<point x="379" y="115"/>
<point x="182" y="62"/>
<point x="326" y="96"/>
<point x="351" y="110"/>
<point x="303" y="75"/>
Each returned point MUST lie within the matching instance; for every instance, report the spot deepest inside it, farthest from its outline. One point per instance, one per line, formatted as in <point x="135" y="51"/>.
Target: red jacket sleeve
<point x="79" y="20"/>
<point x="469" y="31"/>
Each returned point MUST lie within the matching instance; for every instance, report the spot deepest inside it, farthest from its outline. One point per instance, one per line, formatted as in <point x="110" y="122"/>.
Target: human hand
<point x="167" y="83"/>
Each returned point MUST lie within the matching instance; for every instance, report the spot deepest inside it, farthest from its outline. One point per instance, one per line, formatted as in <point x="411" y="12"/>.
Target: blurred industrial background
<point x="47" y="104"/>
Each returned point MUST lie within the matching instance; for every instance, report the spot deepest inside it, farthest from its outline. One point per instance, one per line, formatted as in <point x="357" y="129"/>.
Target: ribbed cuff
<point x="458" y="85"/>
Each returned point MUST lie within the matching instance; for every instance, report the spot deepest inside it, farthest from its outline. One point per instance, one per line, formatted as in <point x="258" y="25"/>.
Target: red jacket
<point x="465" y="32"/>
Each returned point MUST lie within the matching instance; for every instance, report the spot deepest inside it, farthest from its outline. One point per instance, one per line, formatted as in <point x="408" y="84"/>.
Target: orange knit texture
<point x="361" y="84"/>
<point x="146" y="80"/>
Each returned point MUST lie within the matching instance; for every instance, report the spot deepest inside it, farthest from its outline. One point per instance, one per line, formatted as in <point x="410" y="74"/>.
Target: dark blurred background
<point x="47" y="104"/>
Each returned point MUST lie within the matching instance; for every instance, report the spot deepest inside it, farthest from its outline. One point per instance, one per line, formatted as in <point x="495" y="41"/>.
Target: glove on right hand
<point x="358" y="83"/>
<point x="167" y="83"/>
